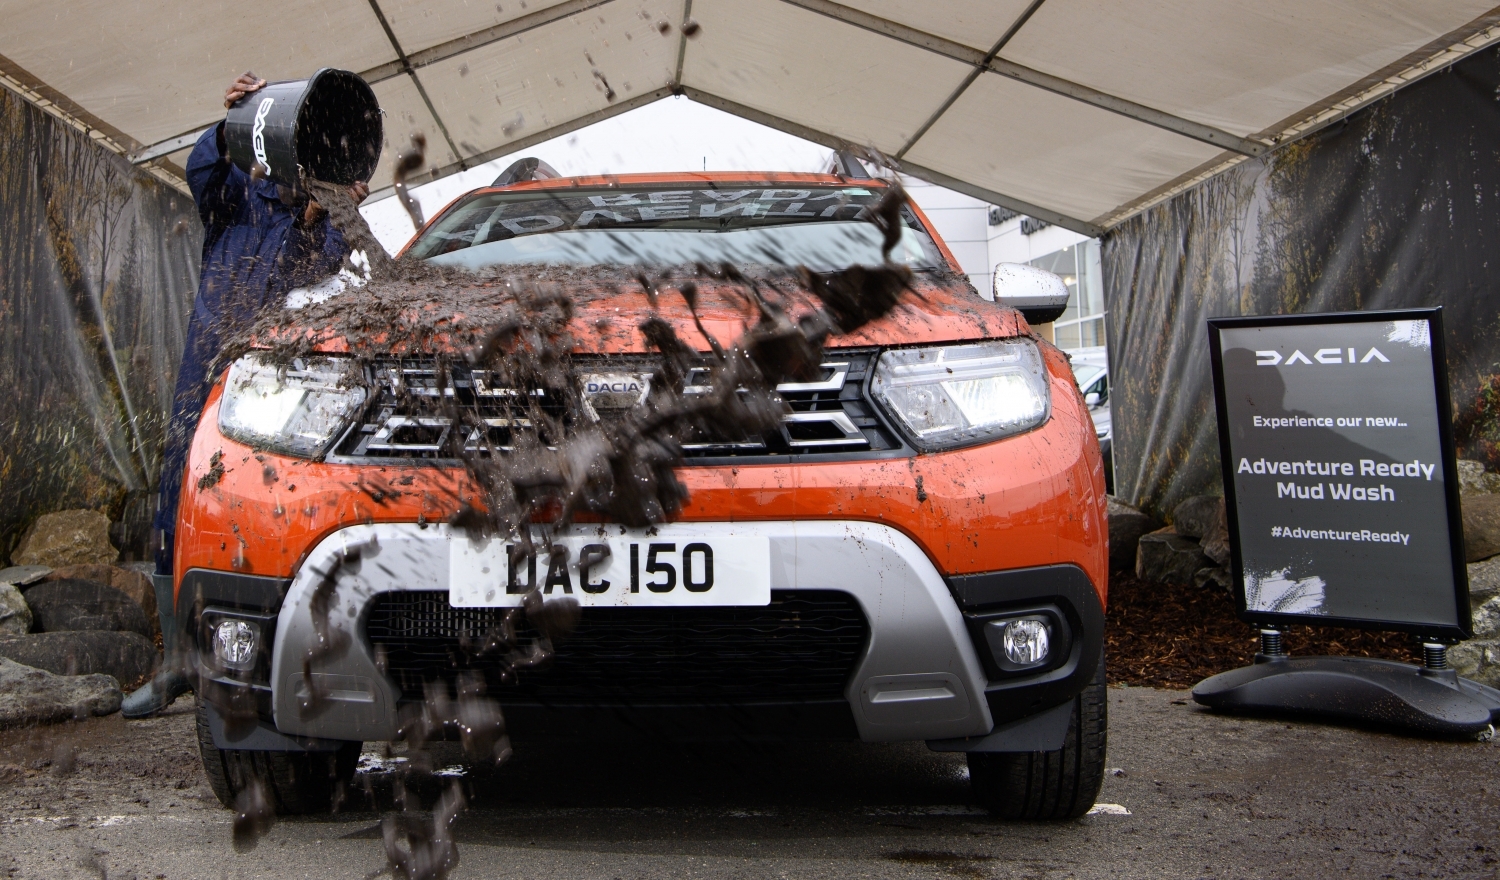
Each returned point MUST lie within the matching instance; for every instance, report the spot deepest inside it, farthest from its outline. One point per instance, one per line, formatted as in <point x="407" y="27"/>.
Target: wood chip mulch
<point x="1176" y="636"/>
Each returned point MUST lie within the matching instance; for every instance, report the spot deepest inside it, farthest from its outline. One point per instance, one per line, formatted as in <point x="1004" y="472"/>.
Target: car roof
<point x="692" y="177"/>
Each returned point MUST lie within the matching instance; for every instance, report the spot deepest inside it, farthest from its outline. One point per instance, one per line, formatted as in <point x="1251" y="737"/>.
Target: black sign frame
<point x="1434" y="318"/>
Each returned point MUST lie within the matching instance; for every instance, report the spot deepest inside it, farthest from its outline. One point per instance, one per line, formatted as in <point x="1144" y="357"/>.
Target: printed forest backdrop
<point x="1398" y="206"/>
<point x="98" y="268"/>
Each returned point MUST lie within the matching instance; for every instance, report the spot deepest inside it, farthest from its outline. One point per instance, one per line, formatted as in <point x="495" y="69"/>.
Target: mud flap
<point x="1043" y="732"/>
<point x="265" y="738"/>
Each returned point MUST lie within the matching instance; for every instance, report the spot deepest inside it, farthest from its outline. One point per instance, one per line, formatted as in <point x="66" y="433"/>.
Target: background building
<point x="981" y="235"/>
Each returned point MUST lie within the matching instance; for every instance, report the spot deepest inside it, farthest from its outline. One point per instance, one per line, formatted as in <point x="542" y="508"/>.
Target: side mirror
<point x="1092" y="398"/>
<point x="1039" y="295"/>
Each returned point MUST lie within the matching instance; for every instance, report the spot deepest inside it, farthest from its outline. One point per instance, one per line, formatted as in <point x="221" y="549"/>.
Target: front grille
<point x="803" y="646"/>
<point x="404" y="418"/>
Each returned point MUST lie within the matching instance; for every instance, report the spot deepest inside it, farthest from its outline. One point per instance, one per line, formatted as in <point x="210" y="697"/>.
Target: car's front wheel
<point x="1049" y="785"/>
<point x="297" y="782"/>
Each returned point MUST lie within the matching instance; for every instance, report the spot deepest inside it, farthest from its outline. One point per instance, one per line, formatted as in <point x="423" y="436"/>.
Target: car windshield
<point x="1086" y="373"/>
<point x="825" y="228"/>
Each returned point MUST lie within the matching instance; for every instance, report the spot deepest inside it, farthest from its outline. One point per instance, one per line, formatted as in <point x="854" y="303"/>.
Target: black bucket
<point x="327" y="125"/>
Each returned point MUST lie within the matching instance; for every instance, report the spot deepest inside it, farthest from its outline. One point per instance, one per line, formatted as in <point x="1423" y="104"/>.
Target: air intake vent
<point x="803" y="646"/>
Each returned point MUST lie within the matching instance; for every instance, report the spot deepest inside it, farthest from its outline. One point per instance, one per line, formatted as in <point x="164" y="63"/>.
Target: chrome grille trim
<point x="829" y="415"/>
<point x="833" y="384"/>
<point x="851" y="437"/>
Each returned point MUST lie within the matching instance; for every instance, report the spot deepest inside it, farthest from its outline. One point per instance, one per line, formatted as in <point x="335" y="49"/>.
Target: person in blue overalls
<point x="261" y="240"/>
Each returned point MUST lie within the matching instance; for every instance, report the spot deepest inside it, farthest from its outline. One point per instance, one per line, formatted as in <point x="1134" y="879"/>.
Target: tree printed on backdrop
<point x="1396" y="207"/>
<point x="98" y="269"/>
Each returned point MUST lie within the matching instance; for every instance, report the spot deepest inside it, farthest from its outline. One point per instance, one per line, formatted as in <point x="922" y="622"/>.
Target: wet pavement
<point x="1189" y="795"/>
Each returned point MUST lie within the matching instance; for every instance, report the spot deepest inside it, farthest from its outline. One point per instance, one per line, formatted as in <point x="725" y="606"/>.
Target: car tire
<point x="1049" y="785"/>
<point x="298" y="782"/>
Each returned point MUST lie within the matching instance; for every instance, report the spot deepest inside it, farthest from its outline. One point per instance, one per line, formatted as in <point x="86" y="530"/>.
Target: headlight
<point x="298" y="410"/>
<point x="960" y="394"/>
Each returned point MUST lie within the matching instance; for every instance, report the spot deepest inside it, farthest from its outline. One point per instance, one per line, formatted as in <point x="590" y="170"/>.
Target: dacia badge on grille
<point x="614" y="392"/>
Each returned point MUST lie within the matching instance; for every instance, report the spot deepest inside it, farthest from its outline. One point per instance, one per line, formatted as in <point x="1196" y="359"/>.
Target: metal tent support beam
<point x="1438" y="54"/>
<point x="167" y="147"/>
<point x="406" y="64"/>
<point x="1082" y="227"/>
<point x="687" y="13"/>
<point x="520" y="144"/>
<point x="416" y="81"/>
<point x="1436" y="57"/>
<point x="479" y="39"/>
<point x="980" y="61"/>
<point x="973" y="75"/>
<point x="983" y="61"/>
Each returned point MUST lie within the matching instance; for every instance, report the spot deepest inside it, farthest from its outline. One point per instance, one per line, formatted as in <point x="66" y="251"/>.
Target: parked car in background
<point x="1091" y="369"/>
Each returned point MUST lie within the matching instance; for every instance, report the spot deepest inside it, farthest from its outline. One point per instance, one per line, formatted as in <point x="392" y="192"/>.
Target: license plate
<point x="615" y="570"/>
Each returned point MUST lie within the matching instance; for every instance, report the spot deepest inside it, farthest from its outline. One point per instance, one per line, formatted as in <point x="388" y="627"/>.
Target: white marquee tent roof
<point x="1080" y="112"/>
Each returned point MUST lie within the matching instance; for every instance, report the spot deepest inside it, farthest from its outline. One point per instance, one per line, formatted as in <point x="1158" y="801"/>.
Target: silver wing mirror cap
<point x="1036" y="293"/>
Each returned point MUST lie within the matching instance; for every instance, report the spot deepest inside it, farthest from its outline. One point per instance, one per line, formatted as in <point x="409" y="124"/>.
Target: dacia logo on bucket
<point x="614" y="391"/>
<point x="258" y="133"/>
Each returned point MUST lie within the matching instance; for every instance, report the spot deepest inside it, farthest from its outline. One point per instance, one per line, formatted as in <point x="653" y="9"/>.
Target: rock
<point x="15" y="614"/>
<point x="21" y="575"/>
<point x="1215" y="541"/>
<point x="1487" y="621"/>
<point x="1473" y="480"/>
<point x="1126" y="525"/>
<point x="75" y="605"/>
<point x="69" y="537"/>
<point x="34" y="696"/>
<point x="127" y="656"/>
<point x="1194" y="517"/>
<point x="1479" y="658"/>
<point x="1481" y="526"/>
<point x="1477" y="661"/>
<point x="132" y="583"/>
<point x="1167" y="557"/>
<point x="1213" y="576"/>
<point x="1484" y="581"/>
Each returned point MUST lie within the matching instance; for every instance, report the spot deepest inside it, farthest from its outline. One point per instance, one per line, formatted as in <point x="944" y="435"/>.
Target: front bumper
<point x="918" y="676"/>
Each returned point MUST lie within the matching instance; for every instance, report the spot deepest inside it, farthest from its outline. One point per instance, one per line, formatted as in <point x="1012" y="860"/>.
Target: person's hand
<point x="312" y="214"/>
<point x="243" y="85"/>
<point x="315" y="212"/>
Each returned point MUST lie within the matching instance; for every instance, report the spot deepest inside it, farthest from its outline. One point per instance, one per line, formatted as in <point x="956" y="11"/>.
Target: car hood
<point x="607" y="311"/>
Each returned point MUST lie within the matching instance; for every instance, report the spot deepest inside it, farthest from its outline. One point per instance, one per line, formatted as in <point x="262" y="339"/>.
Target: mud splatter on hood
<point x="451" y="310"/>
<point x="752" y="329"/>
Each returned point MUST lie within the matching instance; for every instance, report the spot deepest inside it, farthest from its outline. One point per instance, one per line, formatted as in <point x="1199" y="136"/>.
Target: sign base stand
<point x="1430" y="699"/>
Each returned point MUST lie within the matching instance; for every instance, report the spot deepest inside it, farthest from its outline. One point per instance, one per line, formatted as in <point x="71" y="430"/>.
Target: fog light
<point x="1026" y="640"/>
<point x="236" y="643"/>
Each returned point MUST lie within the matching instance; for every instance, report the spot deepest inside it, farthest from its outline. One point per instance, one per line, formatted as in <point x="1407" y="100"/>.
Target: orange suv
<point x="917" y="552"/>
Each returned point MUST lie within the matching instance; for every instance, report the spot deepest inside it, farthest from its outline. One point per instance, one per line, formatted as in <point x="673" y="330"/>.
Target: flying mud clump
<point x="517" y="325"/>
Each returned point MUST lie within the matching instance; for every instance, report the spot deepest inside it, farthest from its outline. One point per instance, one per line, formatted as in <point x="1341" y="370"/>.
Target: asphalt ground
<point x="1189" y="794"/>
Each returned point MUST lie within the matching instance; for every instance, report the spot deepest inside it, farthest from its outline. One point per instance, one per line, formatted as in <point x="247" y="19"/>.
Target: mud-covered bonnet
<point x="329" y="126"/>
